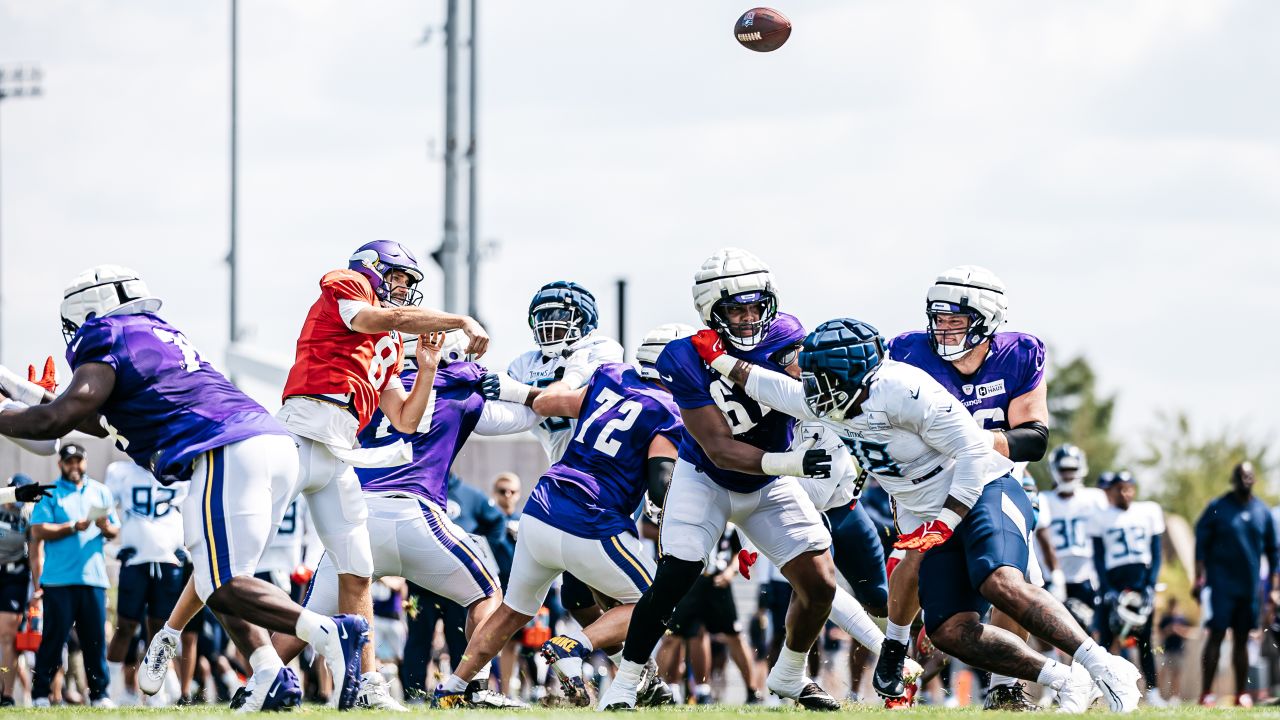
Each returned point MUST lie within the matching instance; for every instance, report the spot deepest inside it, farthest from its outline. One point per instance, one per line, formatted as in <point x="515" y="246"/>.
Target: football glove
<point x="931" y="534"/>
<point x="495" y="386"/>
<point x="49" y="380"/>
<point x="746" y="559"/>
<point x="804" y="461"/>
<point x="32" y="493"/>
<point x="301" y="575"/>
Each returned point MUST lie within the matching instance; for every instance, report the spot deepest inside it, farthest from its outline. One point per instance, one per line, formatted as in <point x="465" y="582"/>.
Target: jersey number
<point x="989" y="418"/>
<point x="190" y="358"/>
<point x="873" y="457"/>
<point x="1068" y="533"/>
<point x="384" y="357"/>
<point x="740" y="417"/>
<point x="148" y="503"/>
<point x="1127" y="544"/>
<point x="629" y="412"/>
<point x="289" y="523"/>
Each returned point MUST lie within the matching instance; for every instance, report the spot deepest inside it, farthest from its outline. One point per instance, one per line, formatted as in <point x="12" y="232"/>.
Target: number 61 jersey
<point x="694" y="385"/>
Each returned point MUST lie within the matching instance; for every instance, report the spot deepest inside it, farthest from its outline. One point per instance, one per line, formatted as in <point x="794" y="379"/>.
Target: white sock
<point x="321" y="632"/>
<point x="847" y="613"/>
<point x="483" y="673"/>
<point x="372" y="677"/>
<point x="453" y="684"/>
<point x="790" y="666"/>
<point x="170" y="631"/>
<point x="581" y="638"/>
<point x="1092" y="656"/>
<point x="1053" y="674"/>
<point x="998" y="680"/>
<point x="629" y="674"/>
<point x="616" y="659"/>
<point x="894" y="631"/>
<point x="266" y="664"/>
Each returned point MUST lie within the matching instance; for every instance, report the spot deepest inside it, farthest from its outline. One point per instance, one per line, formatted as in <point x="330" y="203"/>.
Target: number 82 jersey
<point x="693" y="385"/>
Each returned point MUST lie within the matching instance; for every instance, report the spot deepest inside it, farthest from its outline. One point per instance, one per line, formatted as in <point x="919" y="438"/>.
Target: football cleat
<point x="1009" y="697"/>
<point x="1079" y="692"/>
<point x="813" y="697"/>
<point x="375" y="693"/>
<point x="618" y="697"/>
<point x="653" y="691"/>
<point x="353" y="633"/>
<point x="565" y="655"/>
<point x="284" y="694"/>
<point x="238" y="697"/>
<point x="162" y="649"/>
<point x="1118" y="682"/>
<point x="888" y="676"/>
<point x="476" y="695"/>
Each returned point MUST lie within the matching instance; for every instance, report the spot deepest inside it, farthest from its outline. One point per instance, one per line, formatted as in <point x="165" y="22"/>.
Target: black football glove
<point x="33" y="493"/>
<point x="490" y="386"/>
<point x="817" y="463"/>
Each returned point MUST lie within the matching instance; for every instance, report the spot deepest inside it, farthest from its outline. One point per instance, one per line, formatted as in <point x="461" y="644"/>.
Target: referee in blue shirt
<point x="1232" y="535"/>
<point x="70" y="575"/>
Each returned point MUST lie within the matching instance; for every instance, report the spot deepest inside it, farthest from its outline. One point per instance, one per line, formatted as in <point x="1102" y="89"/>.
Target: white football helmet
<point x="454" y="350"/>
<point x="653" y="343"/>
<point x="101" y="291"/>
<point x="729" y="277"/>
<point x="966" y="290"/>
<point x="1068" y="466"/>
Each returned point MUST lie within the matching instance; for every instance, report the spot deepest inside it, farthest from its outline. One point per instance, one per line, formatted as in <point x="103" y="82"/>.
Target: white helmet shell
<point x="101" y="291"/>
<point x="653" y="343"/>
<point x="454" y="350"/>
<point x="967" y="289"/>
<point x="729" y="273"/>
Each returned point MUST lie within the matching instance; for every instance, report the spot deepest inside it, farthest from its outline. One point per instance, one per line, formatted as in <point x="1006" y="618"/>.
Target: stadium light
<point x="17" y="82"/>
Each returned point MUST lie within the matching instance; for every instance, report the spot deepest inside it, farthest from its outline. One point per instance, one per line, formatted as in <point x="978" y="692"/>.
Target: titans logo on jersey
<point x="457" y="408"/>
<point x="1014" y="367"/>
<point x="168" y="404"/>
<point x="693" y="385"/>
<point x="598" y="484"/>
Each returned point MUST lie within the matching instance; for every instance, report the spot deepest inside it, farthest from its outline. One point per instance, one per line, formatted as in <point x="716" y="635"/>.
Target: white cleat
<point x="1079" y="692"/>
<point x="619" y="697"/>
<point x="155" y="666"/>
<point x="1118" y="682"/>
<point x="375" y="693"/>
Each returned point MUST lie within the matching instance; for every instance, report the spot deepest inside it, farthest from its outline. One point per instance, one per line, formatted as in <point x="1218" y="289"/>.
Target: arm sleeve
<point x="947" y="427"/>
<point x="1157" y="557"/>
<point x="37" y="447"/>
<point x="658" y="470"/>
<point x="780" y="392"/>
<point x="504" y="418"/>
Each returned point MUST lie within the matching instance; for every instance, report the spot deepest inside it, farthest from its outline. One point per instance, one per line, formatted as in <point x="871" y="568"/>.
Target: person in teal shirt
<point x="69" y="576"/>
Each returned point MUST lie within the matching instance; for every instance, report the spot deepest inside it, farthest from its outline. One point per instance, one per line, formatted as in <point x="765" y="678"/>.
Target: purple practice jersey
<point x="593" y="491"/>
<point x="694" y="384"/>
<point x="168" y="405"/>
<point x="1014" y="367"/>
<point x="458" y="406"/>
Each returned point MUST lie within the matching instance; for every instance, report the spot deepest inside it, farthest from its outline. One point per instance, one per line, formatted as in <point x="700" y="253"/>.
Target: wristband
<point x="511" y="390"/>
<point x="950" y="518"/>
<point x="724" y="364"/>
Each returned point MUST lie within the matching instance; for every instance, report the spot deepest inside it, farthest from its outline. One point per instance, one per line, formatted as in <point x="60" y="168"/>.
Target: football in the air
<point x="762" y="29"/>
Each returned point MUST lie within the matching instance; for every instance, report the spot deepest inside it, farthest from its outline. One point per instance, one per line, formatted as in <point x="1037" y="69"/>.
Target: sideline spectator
<point x="1232" y="536"/>
<point x="70" y="575"/>
<point x="15" y="582"/>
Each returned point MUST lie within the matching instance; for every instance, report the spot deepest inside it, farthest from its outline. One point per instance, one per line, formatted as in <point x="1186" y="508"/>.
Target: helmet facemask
<point x="826" y="396"/>
<point x="556" y="326"/>
<point x="745" y="335"/>
<point x="403" y="295"/>
<point x="959" y="341"/>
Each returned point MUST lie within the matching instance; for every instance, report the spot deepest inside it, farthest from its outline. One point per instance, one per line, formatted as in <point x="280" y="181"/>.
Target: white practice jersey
<point x="534" y="368"/>
<point x="1126" y="534"/>
<point x="287" y="548"/>
<point x="1069" y="530"/>
<point x="842" y="487"/>
<point x="917" y="440"/>
<point x="150" y="520"/>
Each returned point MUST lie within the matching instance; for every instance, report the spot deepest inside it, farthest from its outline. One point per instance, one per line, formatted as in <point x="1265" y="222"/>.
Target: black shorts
<point x="15" y="584"/>
<point x="706" y="606"/>
<point x="575" y="595"/>
<point x="148" y="590"/>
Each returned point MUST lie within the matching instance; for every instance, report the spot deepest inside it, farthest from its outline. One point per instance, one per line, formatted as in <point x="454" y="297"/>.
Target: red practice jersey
<point x="333" y="359"/>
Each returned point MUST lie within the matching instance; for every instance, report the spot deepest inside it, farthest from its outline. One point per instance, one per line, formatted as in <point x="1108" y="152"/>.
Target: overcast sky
<point x="1116" y="163"/>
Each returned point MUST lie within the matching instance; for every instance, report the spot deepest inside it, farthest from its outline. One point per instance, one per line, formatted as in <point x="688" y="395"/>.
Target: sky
<point x="1116" y="163"/>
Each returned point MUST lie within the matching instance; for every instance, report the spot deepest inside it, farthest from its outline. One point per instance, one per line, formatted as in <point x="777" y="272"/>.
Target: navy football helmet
<point x="836" y="362"/>
<point x="560" y="314"/>
<point x="1068" y="465"/>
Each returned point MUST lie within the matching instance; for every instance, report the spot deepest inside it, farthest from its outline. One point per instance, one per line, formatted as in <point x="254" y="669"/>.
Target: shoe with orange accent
<point x="1244" y="700"/>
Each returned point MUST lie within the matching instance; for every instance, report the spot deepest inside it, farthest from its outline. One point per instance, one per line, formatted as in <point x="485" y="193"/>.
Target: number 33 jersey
<point x="694" y="385"/>
<point x="336" y="361"/>
<point x="1126" y="534"/>
<point x="149" y="517"/>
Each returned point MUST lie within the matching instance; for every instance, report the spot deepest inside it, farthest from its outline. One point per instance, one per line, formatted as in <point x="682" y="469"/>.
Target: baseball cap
<point x="20" y="480"/>
<point x="71" y="450"/>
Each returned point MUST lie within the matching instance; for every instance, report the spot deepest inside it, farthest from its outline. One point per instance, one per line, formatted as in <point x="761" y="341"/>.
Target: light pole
<point x="15" y="82"/>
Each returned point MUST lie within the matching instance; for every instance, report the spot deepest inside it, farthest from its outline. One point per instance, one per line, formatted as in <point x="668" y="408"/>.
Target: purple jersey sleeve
<point x="685" y="375"/>
<point x="1031" y="355"/>
<point x="96" y="343"/>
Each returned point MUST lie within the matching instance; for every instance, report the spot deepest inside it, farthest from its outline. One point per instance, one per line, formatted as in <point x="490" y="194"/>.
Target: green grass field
<point x="694" y="713"/>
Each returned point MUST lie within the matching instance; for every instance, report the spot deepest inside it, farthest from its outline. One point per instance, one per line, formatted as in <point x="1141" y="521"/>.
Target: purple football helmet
<point x="375" y="259"/>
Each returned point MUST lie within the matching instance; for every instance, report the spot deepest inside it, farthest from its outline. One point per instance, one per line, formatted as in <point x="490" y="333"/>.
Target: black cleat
<point x="813" y="697"/>
<point x="887" y="679"/>
<point x="1009" y="697"/>
<point x="237" y="700"/>
<point x="653" y="691"/>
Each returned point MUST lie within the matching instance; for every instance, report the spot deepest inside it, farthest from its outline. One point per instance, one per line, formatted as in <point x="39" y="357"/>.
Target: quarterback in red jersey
<point x="348" y="363"/>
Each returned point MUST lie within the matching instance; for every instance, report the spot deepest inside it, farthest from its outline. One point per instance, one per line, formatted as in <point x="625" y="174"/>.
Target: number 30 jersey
<point x="694" y="385"/>
<point x="1126" y="534"/>
<point x="598" y="484"/>
<point x="1069" y="530"/>
<point x="910" y="434"/>
<point x="149" y="513"/>
<point x="335" y="361"/>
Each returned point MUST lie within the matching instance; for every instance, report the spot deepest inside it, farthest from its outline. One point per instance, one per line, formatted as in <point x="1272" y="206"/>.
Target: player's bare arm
<point x="1029" y="427"/>
<point x="419" y="321"/>
<point x="75" y="409"/>
<point x="558" y="400"/>
<point x="406" y="410"/>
